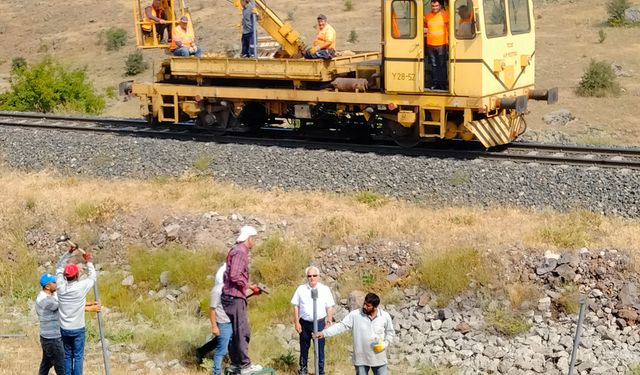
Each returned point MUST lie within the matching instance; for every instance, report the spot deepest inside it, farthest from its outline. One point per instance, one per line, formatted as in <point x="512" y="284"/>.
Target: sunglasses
<point x="312" y="275"/>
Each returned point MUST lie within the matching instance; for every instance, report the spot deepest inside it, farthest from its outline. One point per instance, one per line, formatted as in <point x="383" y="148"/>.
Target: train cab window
<point x="403" y="19"/>
<point x="519" y="16"/>
<point x="495" y="20"/>
<point x="465" y="23"/>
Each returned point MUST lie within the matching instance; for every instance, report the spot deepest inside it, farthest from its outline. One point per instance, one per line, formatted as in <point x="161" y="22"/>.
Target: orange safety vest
<point x="187" y="37"/>
<point x="147" y="22"/>
<point x="326" y="35"/>
<point x="395" y="31"/>
<point x="437" y="25"/>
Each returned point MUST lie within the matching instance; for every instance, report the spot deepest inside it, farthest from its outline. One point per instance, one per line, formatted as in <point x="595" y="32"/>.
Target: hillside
<point x="71" y="31"/>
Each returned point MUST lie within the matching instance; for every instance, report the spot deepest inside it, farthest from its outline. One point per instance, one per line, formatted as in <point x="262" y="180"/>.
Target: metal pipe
<point x="314" y="296"/>
<point x="576" y="341"/>
<point x="254" y="37"/>
<point x="12" y="335"/>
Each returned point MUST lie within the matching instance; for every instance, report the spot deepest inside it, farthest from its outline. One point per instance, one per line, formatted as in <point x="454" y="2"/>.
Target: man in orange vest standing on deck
<point x="436" y="25"/>
<point x="183" y="40"/>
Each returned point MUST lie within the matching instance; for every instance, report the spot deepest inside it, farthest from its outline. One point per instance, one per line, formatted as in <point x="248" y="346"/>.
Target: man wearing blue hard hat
<point x="50" y="338"/>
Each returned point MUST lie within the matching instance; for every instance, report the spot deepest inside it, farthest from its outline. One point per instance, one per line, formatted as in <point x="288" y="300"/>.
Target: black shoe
<point x="199" y="356"/>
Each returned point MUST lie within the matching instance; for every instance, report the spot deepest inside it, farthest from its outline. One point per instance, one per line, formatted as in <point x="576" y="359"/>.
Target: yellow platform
<point x="280" y="69"/>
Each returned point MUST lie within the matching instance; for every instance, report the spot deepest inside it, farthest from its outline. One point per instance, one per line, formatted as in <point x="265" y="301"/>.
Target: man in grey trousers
<point x="234" y="300"/>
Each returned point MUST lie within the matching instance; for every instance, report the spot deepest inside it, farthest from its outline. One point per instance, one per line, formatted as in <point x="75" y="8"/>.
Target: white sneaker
<point x="250" y="369"/>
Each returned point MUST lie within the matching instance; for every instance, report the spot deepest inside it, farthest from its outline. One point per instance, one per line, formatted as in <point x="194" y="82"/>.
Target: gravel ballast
<point x="429" y="180"/>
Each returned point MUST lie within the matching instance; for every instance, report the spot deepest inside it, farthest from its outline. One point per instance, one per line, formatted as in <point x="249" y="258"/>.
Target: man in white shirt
<point x="372" y="331"/>
<point x="72" y="298"/>
<point x="303" y="316"/>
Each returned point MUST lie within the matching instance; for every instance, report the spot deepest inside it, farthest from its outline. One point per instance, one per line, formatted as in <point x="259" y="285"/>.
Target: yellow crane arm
<point x="281" y="31"/>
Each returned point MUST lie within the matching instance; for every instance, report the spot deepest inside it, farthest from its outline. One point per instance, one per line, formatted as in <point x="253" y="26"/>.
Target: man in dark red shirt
<point x="234" y="300"/>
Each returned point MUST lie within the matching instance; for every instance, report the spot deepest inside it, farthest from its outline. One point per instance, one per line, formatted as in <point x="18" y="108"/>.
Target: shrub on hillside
<point x="18" y="63"/>
<point x="49" y="86"/>
<point x="615" y="10"/>
<point x="598" y="80"/>
<point x="115" y="38"/>
<point x="135" y="64"/>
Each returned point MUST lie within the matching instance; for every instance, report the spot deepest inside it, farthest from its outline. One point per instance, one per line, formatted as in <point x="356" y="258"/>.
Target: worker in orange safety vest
<point x="155" y="14"/>
<point x="183" y="40"/>
<point x="436" y="25"/>
<point x="324" y="46"/>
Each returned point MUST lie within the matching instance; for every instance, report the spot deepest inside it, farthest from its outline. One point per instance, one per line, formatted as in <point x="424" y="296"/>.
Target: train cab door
<point x="403" y="46"/>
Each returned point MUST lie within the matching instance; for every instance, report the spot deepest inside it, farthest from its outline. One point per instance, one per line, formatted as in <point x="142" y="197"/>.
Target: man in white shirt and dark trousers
<point x="50" y="339"/>
<point x="303" y="316"/>
<point x="72" y="298"/>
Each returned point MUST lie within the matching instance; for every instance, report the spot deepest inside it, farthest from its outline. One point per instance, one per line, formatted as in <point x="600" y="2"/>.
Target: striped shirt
<point x="47" y="309"/>
<point x="236" y="277"/>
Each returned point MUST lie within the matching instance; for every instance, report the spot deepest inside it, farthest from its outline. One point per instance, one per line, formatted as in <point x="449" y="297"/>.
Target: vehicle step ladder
<point x="437" y="115"/>
<point x="168" y="108"/>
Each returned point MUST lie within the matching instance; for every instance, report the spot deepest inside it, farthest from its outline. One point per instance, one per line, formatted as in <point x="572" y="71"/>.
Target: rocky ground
<point x="428" y="180"/>
<point x="459" y="335"/>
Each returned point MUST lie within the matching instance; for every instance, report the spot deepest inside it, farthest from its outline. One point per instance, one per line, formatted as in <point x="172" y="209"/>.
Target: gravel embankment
<point x="429" y="180"/>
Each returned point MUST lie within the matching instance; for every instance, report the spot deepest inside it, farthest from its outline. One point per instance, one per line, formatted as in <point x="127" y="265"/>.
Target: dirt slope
<point x="567" y="39"/>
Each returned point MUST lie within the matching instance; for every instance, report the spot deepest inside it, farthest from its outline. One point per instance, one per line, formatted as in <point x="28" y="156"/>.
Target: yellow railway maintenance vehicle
<point x="491" y="70"/>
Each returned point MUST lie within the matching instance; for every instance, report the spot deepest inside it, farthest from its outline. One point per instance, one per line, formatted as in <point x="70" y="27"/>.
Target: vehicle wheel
<point x="402" y="136"/>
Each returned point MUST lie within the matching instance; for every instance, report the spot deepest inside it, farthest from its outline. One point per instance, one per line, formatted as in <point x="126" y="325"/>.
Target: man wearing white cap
<point x="234" y="300"/>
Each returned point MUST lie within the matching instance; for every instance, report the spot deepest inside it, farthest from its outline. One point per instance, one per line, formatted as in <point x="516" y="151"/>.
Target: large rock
<point x="355" y="299"/>
<point x="628" y="295"/>
<point x="632" y="14"/>
<point x="558" y="118"/>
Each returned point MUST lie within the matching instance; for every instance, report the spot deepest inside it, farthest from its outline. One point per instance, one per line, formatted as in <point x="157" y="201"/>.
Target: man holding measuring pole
<point x="72" y="297"/>
<point x="312" y="312"/>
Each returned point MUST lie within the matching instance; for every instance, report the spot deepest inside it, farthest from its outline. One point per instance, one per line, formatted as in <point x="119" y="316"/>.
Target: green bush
<point x="18" y="63"/>
<point x="135" y="64"/>
<point x="49" y="86"/>
<point x="507" y="322"/>
<point x="115" y="38"/>
<point x="615" y="10"/>
<point x="353" y="37"/>
<point x="598" y="80"/>
<point x="602" y="35"/>
<point x="348" y="5"/>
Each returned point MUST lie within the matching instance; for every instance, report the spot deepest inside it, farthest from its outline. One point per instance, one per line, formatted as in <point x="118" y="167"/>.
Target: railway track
<point x="607" y="157"/>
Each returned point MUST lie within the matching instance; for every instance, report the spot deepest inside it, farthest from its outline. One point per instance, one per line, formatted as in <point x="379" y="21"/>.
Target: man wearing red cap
<point x="72" y="298"/>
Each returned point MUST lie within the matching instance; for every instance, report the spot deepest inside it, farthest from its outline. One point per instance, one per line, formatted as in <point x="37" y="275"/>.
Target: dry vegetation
<point x="564" y="49"/>
<point x="462" y="246"/>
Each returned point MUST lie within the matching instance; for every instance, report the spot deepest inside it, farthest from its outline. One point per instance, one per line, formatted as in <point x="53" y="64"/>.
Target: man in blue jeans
<point x="72" y="298"/>
<point x="220" y="324"/>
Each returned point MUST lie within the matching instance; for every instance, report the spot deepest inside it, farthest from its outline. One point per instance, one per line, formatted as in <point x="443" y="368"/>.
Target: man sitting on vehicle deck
<point x="324" y="47"/>
<point x="155" y="14"/>
<point x="183" y="40"/>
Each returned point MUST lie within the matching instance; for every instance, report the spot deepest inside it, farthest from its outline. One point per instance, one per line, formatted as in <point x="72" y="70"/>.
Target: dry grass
<point x="79" y="205"/>
<point x="450" y="273"/>
<point x="524" y="295"/>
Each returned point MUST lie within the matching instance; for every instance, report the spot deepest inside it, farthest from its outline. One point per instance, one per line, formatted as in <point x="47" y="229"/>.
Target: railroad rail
<point x="589" y="156"/>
